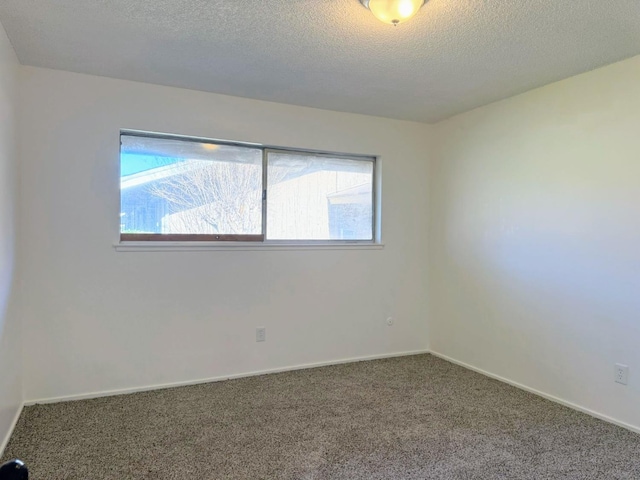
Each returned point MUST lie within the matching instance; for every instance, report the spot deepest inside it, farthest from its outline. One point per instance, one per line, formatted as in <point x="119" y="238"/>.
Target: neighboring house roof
<point x="358" y="194"/>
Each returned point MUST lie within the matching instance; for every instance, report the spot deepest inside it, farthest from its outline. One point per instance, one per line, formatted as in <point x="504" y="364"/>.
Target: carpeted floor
<point x="404" y="418"/>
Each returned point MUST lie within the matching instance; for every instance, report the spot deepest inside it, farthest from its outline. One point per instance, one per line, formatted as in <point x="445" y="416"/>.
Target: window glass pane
<point x="319" y="198"/>
<point x="171" y="186"/>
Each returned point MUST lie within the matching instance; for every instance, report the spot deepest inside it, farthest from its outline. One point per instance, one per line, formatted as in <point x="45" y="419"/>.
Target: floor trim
<point x="566" y="403"/>
<point x="124" y="391"/>
<point x="12" y="427"/>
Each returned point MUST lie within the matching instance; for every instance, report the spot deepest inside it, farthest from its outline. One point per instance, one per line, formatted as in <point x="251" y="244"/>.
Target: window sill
<point x="240" y="246"/>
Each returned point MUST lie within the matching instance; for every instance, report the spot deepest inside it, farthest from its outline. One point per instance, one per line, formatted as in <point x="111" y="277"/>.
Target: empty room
<point x="319" y="239"/>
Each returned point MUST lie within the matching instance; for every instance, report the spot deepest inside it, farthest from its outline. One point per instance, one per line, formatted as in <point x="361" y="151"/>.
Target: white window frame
<point x="263" y="244"/>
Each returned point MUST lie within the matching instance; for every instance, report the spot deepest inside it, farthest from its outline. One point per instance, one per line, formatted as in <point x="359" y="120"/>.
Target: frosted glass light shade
<point x="393" y="11"/>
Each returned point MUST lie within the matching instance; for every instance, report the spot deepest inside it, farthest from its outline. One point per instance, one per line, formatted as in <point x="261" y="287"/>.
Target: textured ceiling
<point x="453" y="56"/>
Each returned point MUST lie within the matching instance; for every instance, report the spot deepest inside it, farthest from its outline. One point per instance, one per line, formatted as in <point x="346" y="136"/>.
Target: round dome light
<point x="393" y="12"/>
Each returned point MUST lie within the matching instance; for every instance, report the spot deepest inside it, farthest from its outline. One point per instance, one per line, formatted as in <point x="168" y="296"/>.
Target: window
<point x="184" y="189"/>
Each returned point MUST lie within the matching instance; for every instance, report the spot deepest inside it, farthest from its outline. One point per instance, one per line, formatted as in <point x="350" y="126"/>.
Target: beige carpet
<point x="406" y="418"/>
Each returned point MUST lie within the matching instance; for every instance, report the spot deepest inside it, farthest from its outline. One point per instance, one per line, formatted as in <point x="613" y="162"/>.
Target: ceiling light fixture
<point x="393" y="11"/>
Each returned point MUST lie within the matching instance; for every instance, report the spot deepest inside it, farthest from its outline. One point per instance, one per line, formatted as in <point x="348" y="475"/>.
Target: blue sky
<point x="131" y="163"/>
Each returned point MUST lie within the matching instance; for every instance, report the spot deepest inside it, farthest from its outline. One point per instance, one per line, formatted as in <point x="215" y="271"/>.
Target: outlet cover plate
<point x="621" y="374"/>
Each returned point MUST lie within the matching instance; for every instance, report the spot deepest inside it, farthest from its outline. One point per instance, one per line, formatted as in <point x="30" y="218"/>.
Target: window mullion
<point x="264" y="194"/>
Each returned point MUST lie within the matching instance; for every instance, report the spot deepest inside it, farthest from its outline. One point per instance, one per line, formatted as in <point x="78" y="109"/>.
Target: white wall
<point x="535" y="241"/>
<point x="10" y="342"/>
<point x="534" y="258"/>
<point x="98" y="320"/>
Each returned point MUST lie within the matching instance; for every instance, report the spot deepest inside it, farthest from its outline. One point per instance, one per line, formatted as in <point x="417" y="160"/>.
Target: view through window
<point x="187" y="189"/>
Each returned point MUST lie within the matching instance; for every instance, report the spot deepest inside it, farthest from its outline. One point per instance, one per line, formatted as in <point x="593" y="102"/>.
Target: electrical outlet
<point x="621" y="374"/>
<point x="261" y="334"/>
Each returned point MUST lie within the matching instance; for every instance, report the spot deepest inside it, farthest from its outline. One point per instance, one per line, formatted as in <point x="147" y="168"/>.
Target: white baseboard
<point x="5" y="441"/>
<point x="566" y="403"/>
<point x="124" y="391"/>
